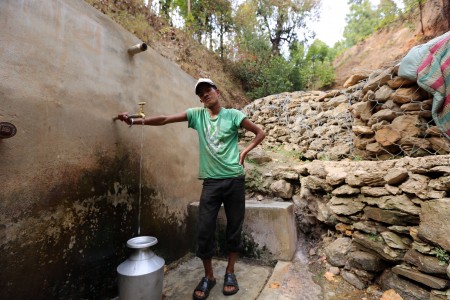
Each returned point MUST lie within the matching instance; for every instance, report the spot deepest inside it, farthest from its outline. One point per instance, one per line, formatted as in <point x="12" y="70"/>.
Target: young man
<point x="221" y="169"/>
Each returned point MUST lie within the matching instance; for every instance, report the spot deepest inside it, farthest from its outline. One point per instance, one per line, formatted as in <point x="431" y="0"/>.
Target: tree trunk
<point x="421" y="16"/>
<point x="447" y="10"/>
<point x="222" y="32"/>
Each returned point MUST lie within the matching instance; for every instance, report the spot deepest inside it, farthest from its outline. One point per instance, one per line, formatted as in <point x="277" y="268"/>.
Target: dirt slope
<point x="388" y="46"/>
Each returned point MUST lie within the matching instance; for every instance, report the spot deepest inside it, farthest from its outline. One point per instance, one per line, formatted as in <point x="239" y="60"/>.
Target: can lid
<point x="140" y="242"/>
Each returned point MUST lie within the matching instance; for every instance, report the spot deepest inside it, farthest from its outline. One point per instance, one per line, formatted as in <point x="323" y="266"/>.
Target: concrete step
<point x="270" y="224"/>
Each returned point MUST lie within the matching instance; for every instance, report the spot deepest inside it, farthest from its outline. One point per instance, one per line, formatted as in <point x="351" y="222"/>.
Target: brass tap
<point x="141" y="113"/>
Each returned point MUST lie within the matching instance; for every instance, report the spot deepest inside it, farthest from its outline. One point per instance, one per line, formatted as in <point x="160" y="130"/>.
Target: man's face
<point x="208" y="95"/>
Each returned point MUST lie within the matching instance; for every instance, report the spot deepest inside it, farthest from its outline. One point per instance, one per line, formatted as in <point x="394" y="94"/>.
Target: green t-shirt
<point x="218" y="139"/>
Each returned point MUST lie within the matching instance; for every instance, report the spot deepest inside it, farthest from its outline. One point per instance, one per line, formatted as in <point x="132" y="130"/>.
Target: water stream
<point x="140" y="181"/>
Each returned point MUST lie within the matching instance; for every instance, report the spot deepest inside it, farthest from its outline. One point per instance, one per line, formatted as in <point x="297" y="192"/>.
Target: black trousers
<point x="230" y="192"/>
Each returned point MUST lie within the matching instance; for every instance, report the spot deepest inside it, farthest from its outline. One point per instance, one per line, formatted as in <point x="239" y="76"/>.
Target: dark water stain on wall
<point x="157" y="221"/>
<point x="70" y="244"/>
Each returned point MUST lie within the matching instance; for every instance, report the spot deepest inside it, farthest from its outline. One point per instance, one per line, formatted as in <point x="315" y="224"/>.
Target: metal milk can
<point x="141" y="275"/>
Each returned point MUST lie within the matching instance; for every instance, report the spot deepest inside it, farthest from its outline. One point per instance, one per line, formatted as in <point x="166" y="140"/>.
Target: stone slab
<point x="428" y="280"/>
<point x="271" y="224"/>
<point x="291" y="280"/>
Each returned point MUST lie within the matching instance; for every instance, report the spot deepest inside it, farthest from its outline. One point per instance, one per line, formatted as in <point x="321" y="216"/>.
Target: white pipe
<point x="138" y="48"/>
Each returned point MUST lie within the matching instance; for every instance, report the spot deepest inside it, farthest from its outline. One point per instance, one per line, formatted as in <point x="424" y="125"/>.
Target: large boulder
<point x="337" y="251"/>
<point x="434" y="222"/>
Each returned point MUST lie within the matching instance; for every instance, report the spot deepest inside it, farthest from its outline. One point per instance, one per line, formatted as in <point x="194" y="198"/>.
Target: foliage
<point x="411" y="5"/>
<point x="247" y="37"/>
<point x="249" y="41"/>
<point x="374" y="237"/>
<point x="319" y="59"/>
<point x="288" y="153"/>
<point x="223" y="21"/>
<point x="313" y="69"/>
<point x="361" y="21"/>
<point x="297" y="58"/>
<point x="282" y="19"/>
<point x="387" y="13"/>
<point x="364" y="19"/>
<point x="442" y="255"/>
<point x="254" y="179"/>
<point x="272" y="78"/>
<point x="304" y="69"/>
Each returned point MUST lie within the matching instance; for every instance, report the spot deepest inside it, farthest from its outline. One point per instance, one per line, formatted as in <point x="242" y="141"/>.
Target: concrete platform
<point x="289" y="280"/>
<point x="270" y="224"/>
<point x="180" y="282"/>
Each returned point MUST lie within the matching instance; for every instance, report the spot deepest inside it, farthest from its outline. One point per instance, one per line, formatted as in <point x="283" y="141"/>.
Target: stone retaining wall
<point x="380" y="175"/>
<point x="391" y="218"/>
<point x="377" y="116"/>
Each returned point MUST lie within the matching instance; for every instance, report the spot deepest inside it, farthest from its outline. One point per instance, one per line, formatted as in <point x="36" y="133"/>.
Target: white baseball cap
<point x="204" y="80"/>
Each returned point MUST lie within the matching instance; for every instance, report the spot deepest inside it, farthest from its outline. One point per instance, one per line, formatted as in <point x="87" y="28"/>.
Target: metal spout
<point x="137" y="115"/>
<point x="7" y="130"/>
<point x="141" y="113"/>
<point x="138" y="48"/>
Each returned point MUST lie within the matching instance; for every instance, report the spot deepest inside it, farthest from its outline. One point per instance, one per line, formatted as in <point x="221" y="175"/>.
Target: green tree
<point x="298" y="75"/>
<point x="273" y="78"/>
<point x="250" y="41"/>
<point x="318" y="70"/>
<point x="164" y="7"/>
<point x="251" y="46"/>
<point x="207" y="20"/>
<point x="318" y="51"/>
<point x="412" y="6"/>
<point x="283" y="19"/>
<point x="388" y="12"/>
<point x="223" y="22"/>
<point x="361" y="21"/>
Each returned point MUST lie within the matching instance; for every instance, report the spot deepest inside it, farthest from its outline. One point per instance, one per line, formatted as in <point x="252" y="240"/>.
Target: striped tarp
<point x="433" y="75"/>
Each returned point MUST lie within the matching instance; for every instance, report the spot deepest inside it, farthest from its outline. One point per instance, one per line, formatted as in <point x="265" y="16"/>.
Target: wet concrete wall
<point x="70" y="177"/>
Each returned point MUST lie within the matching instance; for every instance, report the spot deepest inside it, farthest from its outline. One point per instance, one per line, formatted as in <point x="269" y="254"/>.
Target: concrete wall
<point x="70" y="177"/>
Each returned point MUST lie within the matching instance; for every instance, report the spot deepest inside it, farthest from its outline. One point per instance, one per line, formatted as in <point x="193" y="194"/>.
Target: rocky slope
<point x="389" y="45"/>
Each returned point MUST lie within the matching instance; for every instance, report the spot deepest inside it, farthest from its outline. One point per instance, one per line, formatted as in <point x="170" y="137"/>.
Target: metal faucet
<point x="139" y="114"/>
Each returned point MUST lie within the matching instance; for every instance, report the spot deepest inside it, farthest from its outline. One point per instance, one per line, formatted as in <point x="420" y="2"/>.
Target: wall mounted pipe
<point x="138" y="48"/>
<point x="7" y="130"/>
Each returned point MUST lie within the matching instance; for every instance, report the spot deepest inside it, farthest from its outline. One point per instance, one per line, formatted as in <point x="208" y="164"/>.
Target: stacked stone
<point x="315" y="124"/>
<point x="392" y="116"/>
<point x="377" y="116"/>
<point x="392" y="218"/>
